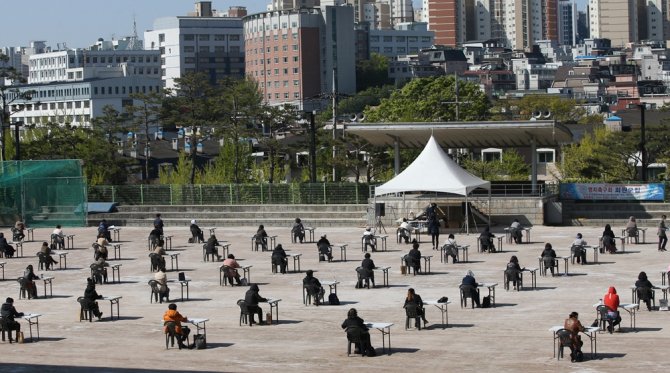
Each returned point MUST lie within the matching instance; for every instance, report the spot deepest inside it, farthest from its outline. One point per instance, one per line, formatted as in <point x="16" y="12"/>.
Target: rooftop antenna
<point x="134" y="43"/>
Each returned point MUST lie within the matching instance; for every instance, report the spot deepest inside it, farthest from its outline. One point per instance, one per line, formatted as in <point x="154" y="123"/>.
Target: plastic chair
<point x="244" y="312"/>
<point x="412" y="264"/>
<point x="24" y="291"/>
<point x="364" y="275"/>
<point x="98" y="273"/>
<point x="644" y="294"/>
<point x="564" y="337"/>
<point x="84" y="311"/>
<point x="171" y="335"/>
<point x="543" y="263"/>
<point x="412" y="312"/>
<point x="224" y="278"/>
<point x="354" y="336"/>
<point x="155" y="292"/>
<point x="157" y="262"/>
<point x="45" y="262"/>
<point x="466" y="292"/>
<point x="578" y="251"/>
<point x="605" y="320"/>
<point x="317" y="293"/>
<point x="511" y="275"/>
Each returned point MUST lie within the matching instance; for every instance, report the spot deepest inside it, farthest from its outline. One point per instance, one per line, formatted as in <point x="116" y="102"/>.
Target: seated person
<point x="196" y="232"/>
<point x="163" y="289"/>
<point x="631" y="228"/>
<point x="155" y="237"/>
<point x="643" y="288"/>
<point x="90" y="299"/>
<point x="158" y="224"/>
<point x="403" y="230"/>
<point x="279" y="258"/>
<point x="99" y="271"/>
<point x="100" y="251"/>
<point x="608" y="239"/>
<point x="8" y="314"/>
<point x="469" y="283"/>
<point x="486" y="241"/>
<point x="513" y="271"/>
<point x="231" y="273"/>
<point x="451" y="248"/>
<point x="211" y="247"/>
<point x="369" y="239"/>
<point x="298" y="231"/>
<point x="5" y="247"/>
<point x="160" y="250"/>
<point x="611" y="300"/>
<point x="172" y="316"/>
<point x="29" y="277"/>
<point x="356" y="330"/>
<point x="157" y="260"/>
<point x="313" y="287"/>
<point x="515" y="230"/>
<point x="574" y="326"/>
<point x="366" y="272"/>
<point x="19" y="227"/>
<point x="325" y="249"/>
<point x="578" y="249"/>
<point x="261" y="238"/>
<point x="45" y="254"/>
<point x="58" y="238"/>
<point x="103" y="228"/>
<point x="548" y="258"/>
<point x="415" y="299"/>
<point x="413" y="258"/>
<point x="251" y="299"/>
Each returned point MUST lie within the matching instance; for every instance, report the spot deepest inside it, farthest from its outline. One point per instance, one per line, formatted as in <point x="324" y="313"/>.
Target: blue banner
<point x="613" y="192"/>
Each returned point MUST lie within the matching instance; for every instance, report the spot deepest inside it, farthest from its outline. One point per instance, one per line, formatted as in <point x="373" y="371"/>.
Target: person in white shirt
<point x="369" y="239"/>
<point x="578" y="249"/>
<point x="58" y="237"/>
<point x="403" y="230"/>
<point x="451" y="248"/>
<point x="515" y="231"/>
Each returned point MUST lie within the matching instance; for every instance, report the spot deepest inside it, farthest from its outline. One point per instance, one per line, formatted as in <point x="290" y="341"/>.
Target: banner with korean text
<point x="613" y="192"/>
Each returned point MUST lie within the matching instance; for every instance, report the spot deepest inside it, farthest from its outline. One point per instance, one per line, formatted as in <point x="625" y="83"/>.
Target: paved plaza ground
<point x="513" y="336"/>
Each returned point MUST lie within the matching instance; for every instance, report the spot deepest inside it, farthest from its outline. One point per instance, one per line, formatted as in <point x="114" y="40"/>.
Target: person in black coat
<point x="608" y="239"/>
<point x="29" y="277"/>
<point x="325" y="249"/>
<point x="279" y="258"/>
<point x="470" y="282"/>
<point x="261" y="238"/>
<point x="8" y="314"/>
<point x="196" y="232"/>
<point x="513" y="271"/>
<point x="298" y="231"/>
<point x="357" y="330"/>
<point x="366" y="270"/>
<point x="643" y="288"/>
<point x="158" y="223"/>
<point x="548" y="257"/>
<point x="486" y="240"/>
<point x="313" y="286"/>
<point x="251" y="299"/>
<point x="433" y="225"/>
<point x="413" y="258"/>
<point x="211" y="247"/>
<point x="415" y="299"/>
<point x="5" y="247"/>
<point x="90" y="299"/>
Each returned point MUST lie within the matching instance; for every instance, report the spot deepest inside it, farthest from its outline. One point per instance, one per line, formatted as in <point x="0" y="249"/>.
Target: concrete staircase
<point x="236" y="215"/>
<point x="647" y="214"/>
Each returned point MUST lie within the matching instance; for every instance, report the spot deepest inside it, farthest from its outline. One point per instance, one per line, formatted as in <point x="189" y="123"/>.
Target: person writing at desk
<point x="611" y="300"/>
<point x="325" y="249"/>
<point x="163" y="289"/>
<point x="279" y="258"/>
<point x="196" y="233"/>
<point x="643" y="288"/>
<point x="548" y="258"/>
<point x="470" y="284"/>
<point x="413" y="258"/>
<point x="366" y="271"/>
<point x="5" y="247"/>
<point x="515" y="230"/>
<point x="578" y="249"/>
<point x="58" y="237"/>
<point x="8" y="314"/>
<point x="513" y="271"/>
<point x="91" y="299"/>
<point x="261" y="238"/>
<point x="45" y="250"/>
<point x="231" y="273"/>
<point x="252" y="298"/>
<point x="211" y="247"/>
<point x="29" y="278"/>
<point x="608" y="239"/>
<point x="313" y="287"/>
<point x="486" y="241"/>
<point x="451" y="248"/>
<point x="415" y="300"/>
<point x="574" y="326"/>
<point x="403" y="230"/>
<point x="298" y="231"/>
<point x="19" y="227"/>
<point x="358" y="331"/>
<point x="369" y="239"/>
<point x="172" y="316"/>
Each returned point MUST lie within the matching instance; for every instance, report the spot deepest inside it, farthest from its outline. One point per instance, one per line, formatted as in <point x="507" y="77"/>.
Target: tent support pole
<point x="396" y="156"/>
<point x="533" y="166"/>
<point x="490" y="206"/>
<point x="467" y="214"/>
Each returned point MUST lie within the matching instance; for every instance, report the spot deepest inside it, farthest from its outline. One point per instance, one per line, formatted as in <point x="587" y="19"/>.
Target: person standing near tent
<point x="433" y="225"/>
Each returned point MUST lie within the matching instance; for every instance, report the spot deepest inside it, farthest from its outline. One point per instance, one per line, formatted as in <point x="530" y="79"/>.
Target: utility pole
<point x="312" y="147"/>
<point x="458" y="102"/>
<point x="334" y="121"/>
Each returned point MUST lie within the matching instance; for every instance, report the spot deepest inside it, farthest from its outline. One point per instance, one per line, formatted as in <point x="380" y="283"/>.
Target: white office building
<point x="407" y="38"/>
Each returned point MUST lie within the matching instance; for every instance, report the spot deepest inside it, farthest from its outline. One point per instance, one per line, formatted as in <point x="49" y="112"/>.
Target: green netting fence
<point x="43" y="193"/>
<point x="231" y="194"/>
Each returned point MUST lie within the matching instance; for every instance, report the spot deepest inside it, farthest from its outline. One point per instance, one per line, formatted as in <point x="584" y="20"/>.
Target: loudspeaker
<point x="380" y="209"/>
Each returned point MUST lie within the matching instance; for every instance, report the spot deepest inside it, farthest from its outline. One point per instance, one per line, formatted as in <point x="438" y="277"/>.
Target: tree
<point x="429" y="100"/>
<point x="144" y="115"/>
<point x="191" y="106"/>
<point x="275" y="119"/>
<point x="372" y="72"/>
<point x="562" y="110"/>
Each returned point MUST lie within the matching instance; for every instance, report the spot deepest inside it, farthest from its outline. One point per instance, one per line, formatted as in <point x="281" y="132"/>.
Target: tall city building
<point x="296" y="55"/>
<point x="567" y="22"/>
<point x="402" y="11"/>
<point x="200" y="43"/>
<point x="616" y="20"/>
<point x="446" y="18"/>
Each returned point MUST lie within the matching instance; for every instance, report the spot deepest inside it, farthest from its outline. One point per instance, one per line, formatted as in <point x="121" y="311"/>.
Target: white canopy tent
<point x="434" y="171"/>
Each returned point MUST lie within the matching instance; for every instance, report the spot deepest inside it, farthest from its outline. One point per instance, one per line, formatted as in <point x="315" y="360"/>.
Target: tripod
<point x="379" y="225"/>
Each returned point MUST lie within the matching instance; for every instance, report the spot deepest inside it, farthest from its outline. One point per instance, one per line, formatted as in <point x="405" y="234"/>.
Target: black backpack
<point x="199" y="342"/>
<point x="486" y="302"/>
<point x="333" y="300"/>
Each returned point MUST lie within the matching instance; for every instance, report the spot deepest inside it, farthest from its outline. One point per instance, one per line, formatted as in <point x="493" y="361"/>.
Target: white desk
<point x="2" y="265"/>
<point x="274" y="304"/>
<point x="184" y="284"/>
<point x="491" y="286"/>
<point x="590" y="331"/>
<point x="174" y="260"/>
<point x="48" y="280"/>
<point x="385" y="329"/>
<point x="113" y="299"/>
<point x="116" y="232"/>
<point x="508" y="234"/>
<point x="343" y="251"/>
<point x="533" y="276"/>
<point x="296" y="260"/>
<point x="443" y="310"/>
<point x="246" y="270"/>
<point x="200" y="324"/>
<point x="385" y="274"/>
<point x="663" y="288"/>
<point x="332" y="285"/>
<point x="62" y="258"/>
<point x="117" y="248"/>
<point x="566" y="259"/>
<point x="116" y="272"/>
<point x="70" y="241"/>
<point x="32" y="319"/>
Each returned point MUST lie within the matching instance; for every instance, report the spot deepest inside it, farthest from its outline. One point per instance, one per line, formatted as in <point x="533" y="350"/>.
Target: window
<point x="189" y="37"/>
<point x="545" y="155"/>
<point x="491" y="154"/>
<point x="234" y="37"/>
<point x="388" y="39"/>
<point x="219" y="49"/>
<point x="203" y="37"/>
<point x="219" y="37"/>
<point x="161" y="38"/>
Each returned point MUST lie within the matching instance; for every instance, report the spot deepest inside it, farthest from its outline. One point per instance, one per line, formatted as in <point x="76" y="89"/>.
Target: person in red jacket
<point x="611" y="300"/>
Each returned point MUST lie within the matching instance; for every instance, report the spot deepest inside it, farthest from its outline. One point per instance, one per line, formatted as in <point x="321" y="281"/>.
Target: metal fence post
<point x="230" y="192"/>
<point x="113" y="194"/>
<point x="171" y="202"/>
<point x="141" y="194"/>
<point x="324" y="194"/>
<point x="200" y="189"/>
<point x="356" y="185"/>
<point x="261" y="185"/>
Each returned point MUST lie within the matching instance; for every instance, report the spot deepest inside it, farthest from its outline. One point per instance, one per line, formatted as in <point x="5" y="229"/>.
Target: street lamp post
<point x="312" y="147"/>
<point x="643" y="140"/>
